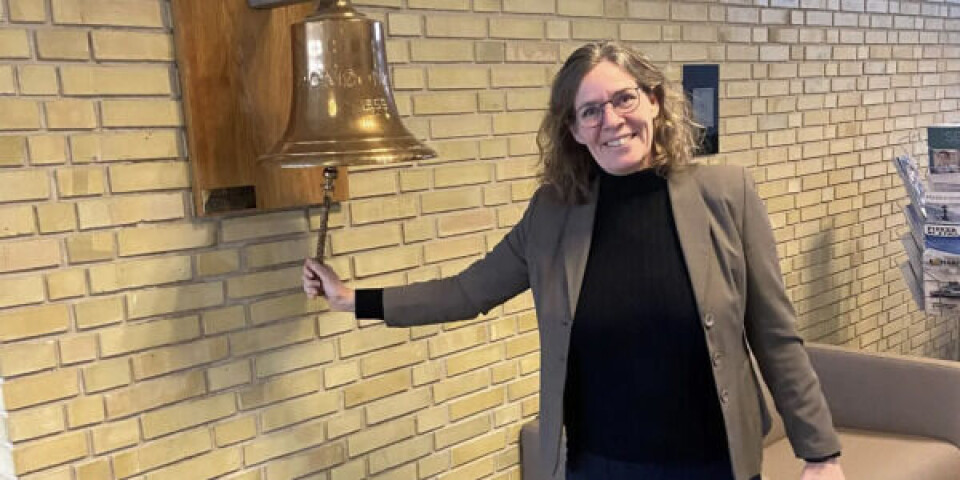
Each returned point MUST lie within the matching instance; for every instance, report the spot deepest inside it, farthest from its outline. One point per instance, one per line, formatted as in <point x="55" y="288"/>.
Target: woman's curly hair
<point x="566" y="164"/>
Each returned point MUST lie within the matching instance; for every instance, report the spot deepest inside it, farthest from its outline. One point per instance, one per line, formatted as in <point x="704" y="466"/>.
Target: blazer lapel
<point x="693" y="228"/>
<point x="577" y="234"/>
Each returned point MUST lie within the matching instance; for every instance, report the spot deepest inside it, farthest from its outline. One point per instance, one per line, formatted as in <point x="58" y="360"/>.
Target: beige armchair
<point x="898" y="418"/>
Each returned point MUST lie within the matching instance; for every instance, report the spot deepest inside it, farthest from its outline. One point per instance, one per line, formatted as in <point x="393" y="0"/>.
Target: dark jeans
<point x="593" y="467"/>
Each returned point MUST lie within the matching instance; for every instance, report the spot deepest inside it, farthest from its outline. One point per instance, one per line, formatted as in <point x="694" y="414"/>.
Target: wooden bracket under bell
<point x="235" y="71"/>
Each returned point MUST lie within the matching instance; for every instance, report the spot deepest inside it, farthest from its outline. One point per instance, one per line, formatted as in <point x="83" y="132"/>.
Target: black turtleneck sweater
<point x="639" y="385"/>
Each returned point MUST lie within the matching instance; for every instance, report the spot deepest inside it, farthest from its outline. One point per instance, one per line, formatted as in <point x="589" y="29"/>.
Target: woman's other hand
<point x="829" y="470"/>
<point x="319" y="279"/>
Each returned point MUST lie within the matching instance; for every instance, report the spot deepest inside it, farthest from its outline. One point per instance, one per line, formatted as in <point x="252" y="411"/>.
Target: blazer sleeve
<point x="488" y="282"/>
<point x="770" y="328"/>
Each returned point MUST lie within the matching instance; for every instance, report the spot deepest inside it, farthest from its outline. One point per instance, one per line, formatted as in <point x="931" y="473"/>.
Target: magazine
<point x="941" y="281"/>
<point x="943" y="143"/>
<point x="915" y="222"/>
<point x="910" y="176"/>
<point x="940" y="265"/>
<point x="942" y="206"/>
<point x="916" y="291"/>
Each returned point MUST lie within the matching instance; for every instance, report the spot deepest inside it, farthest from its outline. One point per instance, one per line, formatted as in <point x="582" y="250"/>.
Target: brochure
<point x="912" y="284"/>
<point x="910" y="176"/>
<point x="943" y="143"/>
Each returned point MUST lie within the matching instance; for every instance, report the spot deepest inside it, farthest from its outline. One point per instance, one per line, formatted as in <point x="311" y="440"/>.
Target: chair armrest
<point x="890" y="393"/>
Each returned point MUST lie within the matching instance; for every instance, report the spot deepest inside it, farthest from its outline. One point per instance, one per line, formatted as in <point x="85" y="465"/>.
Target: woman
<point x="653" y="281"/>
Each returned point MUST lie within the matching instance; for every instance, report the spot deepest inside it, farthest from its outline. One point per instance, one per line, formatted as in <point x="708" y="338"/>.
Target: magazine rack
<point x="932" y="271"/>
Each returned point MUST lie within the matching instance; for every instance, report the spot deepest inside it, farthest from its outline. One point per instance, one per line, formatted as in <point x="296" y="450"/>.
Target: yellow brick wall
<point x="137" y="341"/>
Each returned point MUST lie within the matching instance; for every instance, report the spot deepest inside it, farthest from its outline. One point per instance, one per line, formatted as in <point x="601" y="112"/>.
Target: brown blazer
<point x="731" y="255"/>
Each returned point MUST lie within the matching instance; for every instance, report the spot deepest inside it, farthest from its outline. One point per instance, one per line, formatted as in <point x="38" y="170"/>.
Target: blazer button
<point x="708" y="319"/>
<point x="724" y="396"/>
<point x="716" y="359"/>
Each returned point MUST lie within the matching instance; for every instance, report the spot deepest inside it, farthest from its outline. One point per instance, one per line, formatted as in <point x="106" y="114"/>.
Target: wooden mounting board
<point x="235" y="73"/>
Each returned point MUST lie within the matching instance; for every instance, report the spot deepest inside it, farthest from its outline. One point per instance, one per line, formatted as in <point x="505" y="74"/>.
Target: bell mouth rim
<point x="346" y="158"/>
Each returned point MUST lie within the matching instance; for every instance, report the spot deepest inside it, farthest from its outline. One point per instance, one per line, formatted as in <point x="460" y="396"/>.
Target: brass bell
<point x="343" y="111"/>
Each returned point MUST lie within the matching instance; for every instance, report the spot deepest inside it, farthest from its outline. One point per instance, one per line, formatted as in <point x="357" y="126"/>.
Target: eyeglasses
<point x="624" y="101"/>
